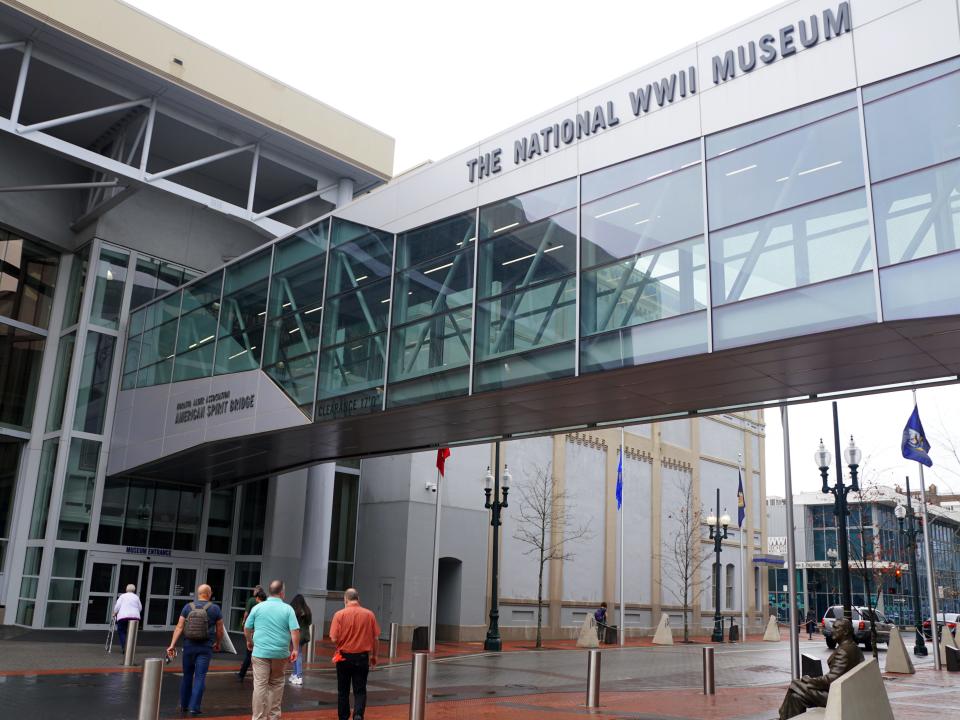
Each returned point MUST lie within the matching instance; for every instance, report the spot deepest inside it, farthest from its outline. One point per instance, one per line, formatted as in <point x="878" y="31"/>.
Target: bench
<point x="858" y="695"/>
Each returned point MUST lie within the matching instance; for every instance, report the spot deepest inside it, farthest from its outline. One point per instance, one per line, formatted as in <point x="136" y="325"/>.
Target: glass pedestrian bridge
<point x="808" y="252"/>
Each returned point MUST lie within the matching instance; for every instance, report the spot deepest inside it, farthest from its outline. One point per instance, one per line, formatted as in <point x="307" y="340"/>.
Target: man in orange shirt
<point x="356" y="635"/>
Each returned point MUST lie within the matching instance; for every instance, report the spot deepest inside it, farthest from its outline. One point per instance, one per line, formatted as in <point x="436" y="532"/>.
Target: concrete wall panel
<point x="586" y="487"/>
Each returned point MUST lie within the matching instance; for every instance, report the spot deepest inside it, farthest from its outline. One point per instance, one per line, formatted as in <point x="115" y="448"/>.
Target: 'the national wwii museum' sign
<point x="681" y="84"/>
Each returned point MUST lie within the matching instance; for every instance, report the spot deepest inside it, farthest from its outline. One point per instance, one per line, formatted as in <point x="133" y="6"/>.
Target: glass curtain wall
<point x="9" y="464"/>
<point x="240" y="329"/>
<point x="432" y="313"/>
<point x="643" y="261"/>
<point x="526" y="288"/>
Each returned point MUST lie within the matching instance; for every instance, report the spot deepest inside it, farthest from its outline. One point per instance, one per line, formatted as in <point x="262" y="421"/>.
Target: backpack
<point x="197" y="625"/>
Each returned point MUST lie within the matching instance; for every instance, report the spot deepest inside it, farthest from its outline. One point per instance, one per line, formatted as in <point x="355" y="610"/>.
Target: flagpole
<point x="743" y="567"/>
<point x="436" y="569"/>
<point x="928" y="558"/>
<point x="623" y="616"/>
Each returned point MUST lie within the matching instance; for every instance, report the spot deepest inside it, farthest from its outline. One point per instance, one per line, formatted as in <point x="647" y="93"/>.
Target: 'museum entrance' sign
<point x="681" y="84"/>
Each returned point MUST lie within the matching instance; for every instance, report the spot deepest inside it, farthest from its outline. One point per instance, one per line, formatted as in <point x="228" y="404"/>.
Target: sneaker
<point x="294" y="680"/>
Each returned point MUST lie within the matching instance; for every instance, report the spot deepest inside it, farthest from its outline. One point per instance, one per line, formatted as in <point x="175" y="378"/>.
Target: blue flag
<point x="620" y="480"/>
<point x="915" y="445"/>
<point x="741" y="501"/>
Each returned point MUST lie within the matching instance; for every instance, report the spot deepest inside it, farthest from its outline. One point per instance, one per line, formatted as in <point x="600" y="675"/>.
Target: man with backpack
<point x="201" y="624"/>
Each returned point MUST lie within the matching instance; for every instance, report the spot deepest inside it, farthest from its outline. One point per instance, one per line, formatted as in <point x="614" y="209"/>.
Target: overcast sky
<point x="439" y="76"/>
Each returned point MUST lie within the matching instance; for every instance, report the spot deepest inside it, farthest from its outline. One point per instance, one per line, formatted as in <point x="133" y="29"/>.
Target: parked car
<point x="861" y="625"/>
<point x="951" y="620"/>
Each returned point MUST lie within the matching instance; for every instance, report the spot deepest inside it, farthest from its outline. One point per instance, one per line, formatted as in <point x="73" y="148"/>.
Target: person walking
<point x="257" y="595"/>
<point x="201" y="624"/>
<point x="273" y="635"/>
<point x="305" y="618"/>
<point x="600" y="616"/>
<point x="811" y="623"/>
<point x="128" y="607"/>
<point x="356" y="635"/>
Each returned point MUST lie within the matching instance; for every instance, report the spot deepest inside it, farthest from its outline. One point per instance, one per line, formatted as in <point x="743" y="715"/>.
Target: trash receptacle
<point x="610" y="635"/>
<point x="421" y="639"/>
<point x="734" y="633"/>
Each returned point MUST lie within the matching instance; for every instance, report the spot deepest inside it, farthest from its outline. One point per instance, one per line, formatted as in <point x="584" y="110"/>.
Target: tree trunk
<point x="540" y="604"/>
<point x="686" y="627"/>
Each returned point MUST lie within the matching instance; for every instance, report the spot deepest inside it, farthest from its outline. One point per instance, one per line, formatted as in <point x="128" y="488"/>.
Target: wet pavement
<point x="638" y="683"/>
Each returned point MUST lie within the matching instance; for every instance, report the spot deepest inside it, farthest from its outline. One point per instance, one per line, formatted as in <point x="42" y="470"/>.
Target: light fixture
<point x="822" y="456"/>
<point x="741" y="170"/>
<point x="506" y="227"/>
<point x="441" y="267"/>
<point x="506" y="478"/>
<point x="712" y="520"/>
<point x="820" y="167"/>
<point x="616" y="210"/>
<point x="725" y="520"/>
<point x="852" y="454"/>
<point x="900" y="511"/>
<point x="488" y="480"/>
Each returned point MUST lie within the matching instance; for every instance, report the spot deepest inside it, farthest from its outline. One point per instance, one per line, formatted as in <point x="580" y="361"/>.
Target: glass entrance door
<point x="184" y="589"/>
<point x="158" y="597"/>
<point x="108" y="579"/>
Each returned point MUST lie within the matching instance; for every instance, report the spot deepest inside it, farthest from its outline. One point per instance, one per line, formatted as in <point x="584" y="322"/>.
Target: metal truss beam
<point x="60" y="186"/>
<point x="105" y="206"/>
<point x="76" y="117"/>
<point x="199" y="163"/>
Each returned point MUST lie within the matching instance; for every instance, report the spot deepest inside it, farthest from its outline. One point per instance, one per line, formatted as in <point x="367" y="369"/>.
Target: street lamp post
<point x="839" y="491"/>
<point x="910" y="533"/>
<point x="832" y="558"/>
<point x="718" y="536"/>
<point x="495" y="502"/>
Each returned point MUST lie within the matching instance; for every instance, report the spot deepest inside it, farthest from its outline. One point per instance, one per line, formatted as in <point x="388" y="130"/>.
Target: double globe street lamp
<point x="910" y="533"/>
<point x="852" y="456"/>
<point x="496" y="489"/>
<point x="718" y="533"/>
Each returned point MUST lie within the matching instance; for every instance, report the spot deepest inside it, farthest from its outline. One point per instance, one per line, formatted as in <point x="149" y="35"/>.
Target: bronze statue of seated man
<point x="809" y="691"/>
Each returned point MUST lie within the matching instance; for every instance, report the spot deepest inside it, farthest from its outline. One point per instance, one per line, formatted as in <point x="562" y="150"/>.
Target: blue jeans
<point x="298" y="663"/>
<point x="196" y="662"/>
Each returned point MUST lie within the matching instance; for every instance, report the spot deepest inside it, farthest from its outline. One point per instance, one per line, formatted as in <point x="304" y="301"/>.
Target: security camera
<point x="432" y="487"/>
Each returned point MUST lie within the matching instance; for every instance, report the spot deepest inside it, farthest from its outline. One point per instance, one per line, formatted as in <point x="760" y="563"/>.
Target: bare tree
<point x="544" y="526"/>
<point x="683" y="557"/>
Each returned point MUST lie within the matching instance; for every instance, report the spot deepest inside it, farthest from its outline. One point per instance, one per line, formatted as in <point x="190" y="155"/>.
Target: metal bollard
<point x="310" y="646"/>
<point x="150" y="689"/>
<point x="593" y="678"/>
<point x="418" y="686"/>
<point x="131" y="649"/>
<point x="394" y="638"/>
<point x="709" y="680"/>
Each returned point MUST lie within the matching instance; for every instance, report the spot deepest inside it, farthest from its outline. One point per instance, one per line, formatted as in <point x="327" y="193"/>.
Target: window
<point x="730" y="587"/>
<point x="41" y="498"/>
<point x="220" y="521"/>
<point x="240" y="333"/>
<point x="61" y="379"/>
<point x="78" y="487"/>
<point x="28" y="275"/>
<point x="343" y="530"/>
<point x="21" y="353"/>
<point x="432" y="314"/>
<point x="108" y="288"/>
<point x="94" y="388"/>
<point x="9" y="461"/>
<point x="293" y="312"/>
<point x="66" y="577"/>
<point x="253" y="511"/>
<point x="197" y="332"/>
<point x="158" y="341"/>
<point x="145" y="514"/>
<point x="246" y="575"/>
<point x="29" y="581"/>
<point x="78" y="278"/>
<point x="756" y="588"/>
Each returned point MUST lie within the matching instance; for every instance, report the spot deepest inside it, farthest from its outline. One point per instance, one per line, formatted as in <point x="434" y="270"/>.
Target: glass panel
<point x="220" y="521"/>
<point x="440" y="238"/>
<point x="101" y="577"/>
<point x="639" y="170"/>
<point x="358" y="365"/>
<point x="528" y="319"/>
<point x="437" y="344"/>
<point x="915" y="128"/>
<point x="660" y="284"/>
<point x="527" y="208"/>
<point x="656" y="213"/>
<point x="61" y="378"/>
<point x="32" y="561"/>
<point x="21" y="354"/>
<point x="343" y="527"/>
<point x="78" y="487"/>
<point x="787" y="170"/>
<point x="360" y="255"/>
<point x="252" y="514"/>
<point x="444" y="384"/>
<point x="528" y="255"/>
<point x="839" y="303"/>
<point x="650" y="342"/>
<point x="112" y="509"/>
<point x="144" y="284"/>
<point x="94" y="383"/>
<point x="195" y="344"/>
<point x="433" y="288"/>
<point x="68" y="563"/>
<point x="28" y="275"/>
<point x="291" y="355"/>
<point x="215" y="579"/>
<point x="244" y="309"/>
<point x="163" y="512"/>
<point x="810" y="244"/>
<point x="296" y="284"/>
<point x="550" y="364"/>
<point x="25" y="612"/>
<point x="61" y="615"/>
<point x="160" y="580"/>
<point x="902" y="82"/>
<point x="136" y="526"/>
<point x="108" y="288"/>
<point x="356" y="314"/>
<point x="918" y="215"/>
<point x="169" y="278"/>
<point x="205" y="291"/>
<point x="78" y="278"/>
<point x="188" y="520"/>
<point x="9" y="461"/>
<point x="936" y="276"/>
<point x="41" y="498"/>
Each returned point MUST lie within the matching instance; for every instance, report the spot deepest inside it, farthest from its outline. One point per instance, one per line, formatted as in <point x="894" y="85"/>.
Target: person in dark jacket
<point x="257" y="596"/>
<point x="305" y="618"/>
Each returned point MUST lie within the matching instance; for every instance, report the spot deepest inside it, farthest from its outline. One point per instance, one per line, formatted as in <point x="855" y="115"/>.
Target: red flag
<point x="442" y="455"/>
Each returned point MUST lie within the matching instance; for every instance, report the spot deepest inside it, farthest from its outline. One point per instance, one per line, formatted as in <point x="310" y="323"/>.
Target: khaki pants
<point x="267" y="687"/>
